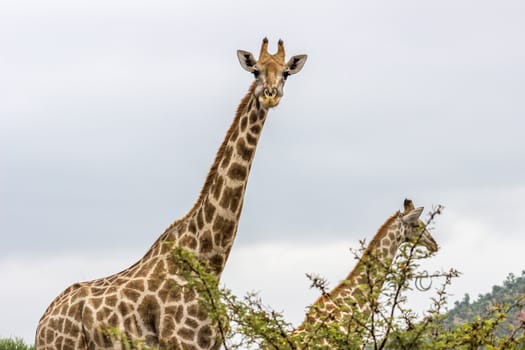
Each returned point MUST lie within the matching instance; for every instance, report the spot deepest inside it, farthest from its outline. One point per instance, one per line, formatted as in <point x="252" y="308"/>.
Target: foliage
<point x="390" y="324"/>
<point x="495" y="321"/>
<point x="14" y="344"/>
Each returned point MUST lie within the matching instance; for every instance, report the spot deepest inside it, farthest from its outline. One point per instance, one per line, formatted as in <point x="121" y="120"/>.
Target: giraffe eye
<point x="416" y="226"/>
<point x="256" y="73"/>
<point x="285" y="74"/>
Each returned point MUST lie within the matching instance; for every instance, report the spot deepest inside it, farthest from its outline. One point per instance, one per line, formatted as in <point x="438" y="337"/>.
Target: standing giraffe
<point x="361" y="287"/>
<point x="141" y="302"/>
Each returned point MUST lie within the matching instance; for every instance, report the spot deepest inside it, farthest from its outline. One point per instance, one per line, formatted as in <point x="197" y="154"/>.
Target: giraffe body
<point x="144" y="302"/>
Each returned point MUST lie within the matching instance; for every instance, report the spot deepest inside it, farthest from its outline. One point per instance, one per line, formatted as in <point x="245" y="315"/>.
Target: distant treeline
<point x="467" y="310"/>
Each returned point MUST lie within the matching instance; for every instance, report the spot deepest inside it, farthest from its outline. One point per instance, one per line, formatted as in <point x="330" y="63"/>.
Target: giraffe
<point x="141" y="301"/>
<point x="349" y="296"/>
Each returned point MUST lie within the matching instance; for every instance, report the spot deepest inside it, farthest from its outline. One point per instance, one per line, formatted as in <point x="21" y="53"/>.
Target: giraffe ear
<point x="247" y="60"/>
<point x="295" y="64"/>
<point x="412" y="216"/>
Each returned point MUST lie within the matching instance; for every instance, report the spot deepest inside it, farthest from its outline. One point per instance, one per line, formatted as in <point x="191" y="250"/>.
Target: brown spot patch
<point x="149" y="311"/>
<point x="392" y="236"/>
<point x="159" y="271"/>
<point x="209" y="211"/>
<point x="87" y="318"/>
<point x="96" y="302"/>
<point x="170" y="310"/>
<point x="243" y="150"/>
<point x="136" y="284"/>
<point x="218" y="187"/>
<point x="252" y="140"/>
<point x="124" y="308"/>
<point x="224" y="230"/>
<point x="231" y="198"/>
<point x="192" y="227"/>
<point x="168" y="326"/>
<point x="145" y="268"/>
<point x="217" y="262"/>
<point x="97" y="291"/>
<point x="206" y="243"/>
<point x="69" y="344"/>
<point x="169" y="292"/>
<point x="238" y="172"/>
<point x="131" y="294"/>
<point x="106" y="310"/>
<point x="63" y="309"/>
<point x="59" y="325"/>
<point x="68" y="326"/>
<point x="50" y="336"/>
<point x="59" y="341"/>
<point x="186" y="333"/>
<point x="195" y="310"/>
<point x="253" y="117"/>
<point x="179" y="314"/>
<point x="189" y="241"/>
<point x="393" y="249"/>
<point x="244" y="123"/>
<point x="256" y="129"/>
<point x="110" y="300"/>
<point x="200" y="220"/>
<point x="204" y="337"/>
<point x="75" y="310"/>
<point x="189" y="295"/>
<point x="190" y="322"/>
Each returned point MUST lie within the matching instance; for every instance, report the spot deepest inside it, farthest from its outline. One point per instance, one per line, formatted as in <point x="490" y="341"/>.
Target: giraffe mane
<point x="378" y="236"/>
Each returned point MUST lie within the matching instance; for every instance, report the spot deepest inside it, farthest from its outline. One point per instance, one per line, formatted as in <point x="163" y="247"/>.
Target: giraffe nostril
<point x="270" y="92"/>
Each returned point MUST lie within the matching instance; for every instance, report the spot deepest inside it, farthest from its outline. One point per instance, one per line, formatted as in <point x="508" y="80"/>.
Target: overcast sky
<point x="111" y="113"/>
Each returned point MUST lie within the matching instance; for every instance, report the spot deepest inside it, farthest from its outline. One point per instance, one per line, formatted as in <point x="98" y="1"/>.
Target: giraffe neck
<point x="363" y="283"/>
<point x="210" y="226"/>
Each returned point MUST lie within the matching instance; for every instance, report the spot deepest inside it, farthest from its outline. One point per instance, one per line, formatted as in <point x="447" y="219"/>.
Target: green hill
<point x="508" y="294"/>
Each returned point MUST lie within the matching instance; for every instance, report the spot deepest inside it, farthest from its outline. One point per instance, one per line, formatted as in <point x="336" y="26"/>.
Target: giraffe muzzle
<point x="270" y="97"/>
<point x="429" y="242"/>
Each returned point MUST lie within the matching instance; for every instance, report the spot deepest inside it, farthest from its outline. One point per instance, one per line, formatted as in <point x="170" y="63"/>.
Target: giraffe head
<point x="412" y="227"/>
<point x="270" y="72"/>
